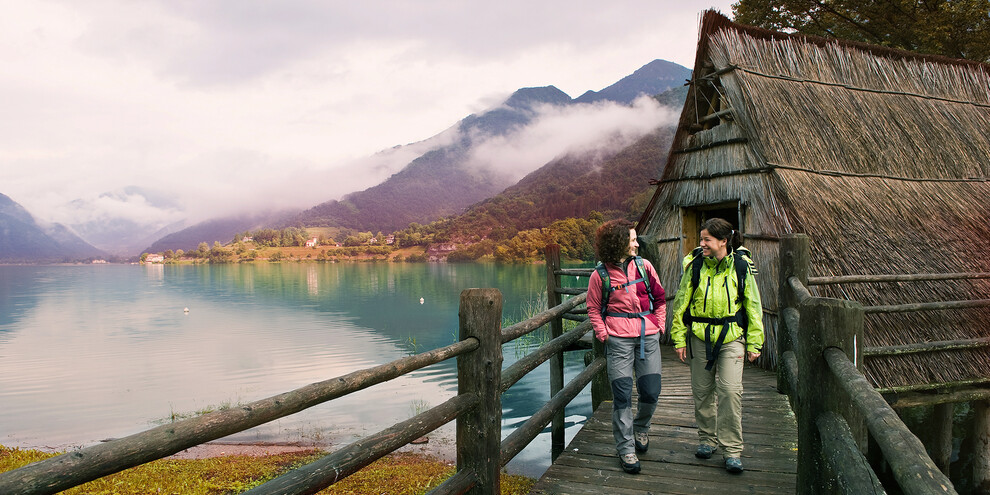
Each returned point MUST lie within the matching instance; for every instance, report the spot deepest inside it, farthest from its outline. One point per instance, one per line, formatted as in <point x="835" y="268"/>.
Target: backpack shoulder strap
<point x="606" y="285"/>
<point x="696" y="263"/>
<point x="641" y="268"/>
<point x="742" y="267"/>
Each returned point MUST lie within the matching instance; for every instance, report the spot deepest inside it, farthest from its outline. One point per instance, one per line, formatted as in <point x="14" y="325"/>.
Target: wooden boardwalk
<point x="589" y="464"/>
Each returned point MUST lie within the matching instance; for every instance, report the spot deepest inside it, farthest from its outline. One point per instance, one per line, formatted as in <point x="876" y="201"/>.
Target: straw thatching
<point x="880" y="156"/>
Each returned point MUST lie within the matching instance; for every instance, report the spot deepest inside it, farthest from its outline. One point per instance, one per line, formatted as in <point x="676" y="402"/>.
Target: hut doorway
<point x="692" y="218"/>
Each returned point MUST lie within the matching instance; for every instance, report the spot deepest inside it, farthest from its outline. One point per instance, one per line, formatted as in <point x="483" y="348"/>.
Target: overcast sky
<point x="217" y="104"/>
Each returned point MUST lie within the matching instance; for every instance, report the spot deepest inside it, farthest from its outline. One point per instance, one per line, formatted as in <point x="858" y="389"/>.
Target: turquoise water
<point x="104" y="351"/>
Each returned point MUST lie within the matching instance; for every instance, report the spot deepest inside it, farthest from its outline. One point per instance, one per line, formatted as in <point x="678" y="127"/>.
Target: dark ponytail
<point x="722" y="230"/>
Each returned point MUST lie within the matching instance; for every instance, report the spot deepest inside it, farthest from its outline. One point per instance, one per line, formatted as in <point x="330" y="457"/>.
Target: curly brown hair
<point x="612" y="240"/>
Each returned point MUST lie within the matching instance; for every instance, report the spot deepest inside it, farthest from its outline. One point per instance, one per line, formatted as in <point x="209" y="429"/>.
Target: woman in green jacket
<point x="726" y="326"/>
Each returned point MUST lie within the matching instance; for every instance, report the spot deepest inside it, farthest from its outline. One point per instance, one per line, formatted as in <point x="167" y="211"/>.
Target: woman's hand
<point x="681" y="353"/>
<point x="752" y="356"/>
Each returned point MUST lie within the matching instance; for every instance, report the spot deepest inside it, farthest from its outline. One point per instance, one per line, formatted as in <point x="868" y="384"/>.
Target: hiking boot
<point x="705" y="451"/>
<point x="733" y="465"/>
<point x="629" y="463"/>
<point x="642" y="442"/>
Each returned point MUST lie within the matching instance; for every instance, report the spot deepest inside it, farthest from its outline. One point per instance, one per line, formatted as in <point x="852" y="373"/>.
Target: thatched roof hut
<point x="880" y="156"/>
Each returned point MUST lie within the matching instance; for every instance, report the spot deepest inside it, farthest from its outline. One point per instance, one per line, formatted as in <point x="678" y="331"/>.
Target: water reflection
<point x="88" y="353"/>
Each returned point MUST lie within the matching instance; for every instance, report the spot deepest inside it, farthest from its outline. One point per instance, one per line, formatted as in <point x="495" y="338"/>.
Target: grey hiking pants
<point x="622" y="356"/>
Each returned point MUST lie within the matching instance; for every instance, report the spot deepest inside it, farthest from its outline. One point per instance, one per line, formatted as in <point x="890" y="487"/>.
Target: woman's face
<point x="710" y="246"/>
<point x="633" y="243"/>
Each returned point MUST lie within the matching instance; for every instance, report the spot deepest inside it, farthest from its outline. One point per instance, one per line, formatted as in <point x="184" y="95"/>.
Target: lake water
<point x="104" y="351"/>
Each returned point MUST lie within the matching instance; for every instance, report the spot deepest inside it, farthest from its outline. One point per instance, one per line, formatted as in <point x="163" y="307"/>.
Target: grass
<point x="534" y="304"/>
<point x="400" y="473"/>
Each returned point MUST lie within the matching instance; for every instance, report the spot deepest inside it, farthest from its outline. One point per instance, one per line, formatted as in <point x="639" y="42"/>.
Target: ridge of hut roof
<point x="712" y="20"/>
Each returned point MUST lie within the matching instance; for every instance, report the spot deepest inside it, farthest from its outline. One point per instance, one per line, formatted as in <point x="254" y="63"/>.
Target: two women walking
<point x="717" y="321"/>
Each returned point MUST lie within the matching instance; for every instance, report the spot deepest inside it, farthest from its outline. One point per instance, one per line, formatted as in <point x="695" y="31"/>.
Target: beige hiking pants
<point x="718" y="396"/>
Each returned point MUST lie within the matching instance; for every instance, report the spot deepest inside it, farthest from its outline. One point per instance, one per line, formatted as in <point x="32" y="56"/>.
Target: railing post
<point x="981" y="453"/>
<point x="601" y="388"/>
<point x="794" y="261"/>
<point x="479" y="435"/>
<point x="552" y="252"/>
<point x="824" y="323"/>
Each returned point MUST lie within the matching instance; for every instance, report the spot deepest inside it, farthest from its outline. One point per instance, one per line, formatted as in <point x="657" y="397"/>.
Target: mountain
<point x="220" y="230"/>
<point x="442" y="179"/>
<point x="23" y="240"/>
<point x="437" y="183"/>
<point x="615" y="183"/>
<point x="142" y="216"/>
<point x="651" y="79"/>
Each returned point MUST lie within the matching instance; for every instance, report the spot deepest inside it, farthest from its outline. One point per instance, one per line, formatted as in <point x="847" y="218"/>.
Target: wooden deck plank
<point x="589" y="463"/>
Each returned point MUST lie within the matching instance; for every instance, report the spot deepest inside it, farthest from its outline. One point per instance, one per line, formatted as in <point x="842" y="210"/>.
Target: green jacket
<point x="716" y="297"/>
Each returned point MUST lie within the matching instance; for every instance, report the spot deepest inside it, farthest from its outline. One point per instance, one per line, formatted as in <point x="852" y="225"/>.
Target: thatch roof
<point x="880" y="156"/>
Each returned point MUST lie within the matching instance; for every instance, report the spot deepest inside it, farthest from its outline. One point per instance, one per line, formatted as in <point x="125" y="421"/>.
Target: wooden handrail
<point x="917" y="277"/>
<point x="522" y="436"/>
<point x="576" y="272"/>
<point x="913" y="469"/>
<point x="530" y="362"/>
<point x="513" y="332"/>
<point x="829" y="339"/>
<point x="80" y="466"/>
<point x="853" y="473"/>
<point x="334" y="467"/>
<point x="800" y="291"/>
<point x="72" y="469"/>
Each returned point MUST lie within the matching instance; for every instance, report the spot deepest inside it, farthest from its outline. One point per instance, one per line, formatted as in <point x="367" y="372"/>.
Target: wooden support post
<point x="981" y="446"/>
<point x="940" y="437"/>
<point x="794" y="260"/>
<point x="601" y="388"/>
<point x="552" y="252"/>
<point x="823" y="323"/>
<point x="479" y="434"/>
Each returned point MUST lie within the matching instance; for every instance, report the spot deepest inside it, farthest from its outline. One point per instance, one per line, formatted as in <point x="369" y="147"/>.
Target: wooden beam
<point x="944" y="345"/>
<point x="907" y="308"/>
<point x="916" y="399"/>
<point x="918" y="277"/>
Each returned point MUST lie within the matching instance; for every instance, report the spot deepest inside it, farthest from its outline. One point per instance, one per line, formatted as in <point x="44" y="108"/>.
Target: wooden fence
<point x="477" y="409"/>
<point x="820" y="358"/>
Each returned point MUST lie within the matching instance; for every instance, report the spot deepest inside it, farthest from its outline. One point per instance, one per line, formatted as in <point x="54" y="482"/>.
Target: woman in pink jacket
<point x="627" y="309"/>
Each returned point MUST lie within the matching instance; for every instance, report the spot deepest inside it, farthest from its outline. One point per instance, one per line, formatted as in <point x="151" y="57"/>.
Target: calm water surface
<point x="95" y="352"/>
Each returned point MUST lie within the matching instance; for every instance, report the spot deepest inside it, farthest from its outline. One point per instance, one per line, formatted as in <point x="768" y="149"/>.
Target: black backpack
<point x="607" y="283"/>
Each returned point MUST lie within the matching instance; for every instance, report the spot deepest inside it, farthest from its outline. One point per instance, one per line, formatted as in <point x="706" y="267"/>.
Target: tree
<point x="953" y="28"/>
<point x="219" y="254"/>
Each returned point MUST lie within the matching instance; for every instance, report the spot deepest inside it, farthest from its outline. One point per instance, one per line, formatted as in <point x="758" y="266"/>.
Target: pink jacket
<point x="632" y="299"/>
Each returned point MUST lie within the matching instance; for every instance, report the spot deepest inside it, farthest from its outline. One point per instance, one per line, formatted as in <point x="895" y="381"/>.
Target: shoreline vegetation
<point x="226" y="473"/>
<point x="416" y="244"/>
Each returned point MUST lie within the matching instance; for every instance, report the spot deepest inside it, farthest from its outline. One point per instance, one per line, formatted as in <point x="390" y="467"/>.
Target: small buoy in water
<point x="185" y="310"/>
<point x="421" y="300"/>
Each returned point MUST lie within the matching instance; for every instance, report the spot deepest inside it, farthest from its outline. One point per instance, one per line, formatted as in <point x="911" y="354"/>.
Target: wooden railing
<point x="477" y="409"/>
<point x="821" y="358"/>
